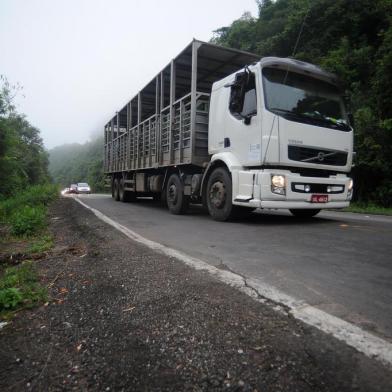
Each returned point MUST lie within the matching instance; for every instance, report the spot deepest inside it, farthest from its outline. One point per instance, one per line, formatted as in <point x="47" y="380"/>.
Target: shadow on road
<point x="258" y="217"/>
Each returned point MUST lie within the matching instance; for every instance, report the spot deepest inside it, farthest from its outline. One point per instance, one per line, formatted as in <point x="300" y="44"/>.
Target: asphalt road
<point x="338" y="262"/>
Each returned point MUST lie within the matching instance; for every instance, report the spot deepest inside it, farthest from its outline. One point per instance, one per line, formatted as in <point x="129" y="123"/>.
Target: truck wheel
<point x="304" y="213"/>
<point x="125" y="196"/>
<point x="116" y="189"/>
<point x="176" y="201"/>
<point x="112" y="188"/>
<point x="219" y="195"/>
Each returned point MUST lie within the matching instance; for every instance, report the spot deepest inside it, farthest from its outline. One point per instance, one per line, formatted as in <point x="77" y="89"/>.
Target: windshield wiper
<point x="311" y="118"/>
<point x="289" y="113"/>
<point x="320" y="117"/>
<point x="282" y="110"/>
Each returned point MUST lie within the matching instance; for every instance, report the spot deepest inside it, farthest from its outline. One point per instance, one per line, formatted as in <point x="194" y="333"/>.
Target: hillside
<point x="71" y="163"/>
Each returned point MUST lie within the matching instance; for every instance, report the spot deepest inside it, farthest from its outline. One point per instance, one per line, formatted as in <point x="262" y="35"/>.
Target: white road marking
<point x="368" y="344"/>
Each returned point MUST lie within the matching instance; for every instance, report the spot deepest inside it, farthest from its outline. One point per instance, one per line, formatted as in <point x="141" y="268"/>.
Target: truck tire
<point x="219" y="195"/>
<point x="112" y="187"/>
<point x="176" y="201"/>
<point x="116" y="189"/>
<point x="305" y="213"/>
<point x="125" y="196"/>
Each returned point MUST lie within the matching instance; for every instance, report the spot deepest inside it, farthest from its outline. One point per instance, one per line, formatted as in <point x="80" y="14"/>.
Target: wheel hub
<point x="173" y="193"/>
<point x="218" y="194"/>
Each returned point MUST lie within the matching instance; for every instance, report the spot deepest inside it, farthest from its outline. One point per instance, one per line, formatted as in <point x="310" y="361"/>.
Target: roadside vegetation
<point x="352" y="39"/>
<point x="73" y="163"/>
<point x="25" y="212"/>
<point x="25" y="194"/>
<point x="23" y="158"/>
<point x="369" y="209"/>
<point x="20" y="289"/>
<point x="23" y="223"/>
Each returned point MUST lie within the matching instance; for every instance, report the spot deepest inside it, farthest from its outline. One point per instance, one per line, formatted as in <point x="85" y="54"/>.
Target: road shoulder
<point x="125" y="317"/>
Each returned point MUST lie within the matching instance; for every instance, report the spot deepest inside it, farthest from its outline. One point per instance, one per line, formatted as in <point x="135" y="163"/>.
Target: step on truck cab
<point x="225" y="128"/>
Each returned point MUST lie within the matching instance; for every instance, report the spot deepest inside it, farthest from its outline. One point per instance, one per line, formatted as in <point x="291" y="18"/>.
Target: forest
<point x="72" y="163"/>
<point x="23" y="158"/>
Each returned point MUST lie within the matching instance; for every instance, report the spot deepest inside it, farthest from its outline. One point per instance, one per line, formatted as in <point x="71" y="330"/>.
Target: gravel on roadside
<point x="122" y="317"/>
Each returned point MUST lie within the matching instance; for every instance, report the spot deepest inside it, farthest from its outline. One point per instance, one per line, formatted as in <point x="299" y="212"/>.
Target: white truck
<point x="225" y="128"/>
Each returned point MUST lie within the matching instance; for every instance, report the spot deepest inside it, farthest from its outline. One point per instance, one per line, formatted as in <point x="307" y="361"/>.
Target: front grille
<point x="317" y="156"/>
<point x="306" y="172"/>
<point x="316" y="188"/>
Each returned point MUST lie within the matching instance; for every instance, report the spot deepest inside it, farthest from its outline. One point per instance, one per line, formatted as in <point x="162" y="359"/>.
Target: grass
<point x="25" y="212"/>
<point x="368" y="209"/>
<point x="23" y="221"/>
<point x="27" y="220"/>
<point x="20" y="289"/>
<point x="41" y="244"/>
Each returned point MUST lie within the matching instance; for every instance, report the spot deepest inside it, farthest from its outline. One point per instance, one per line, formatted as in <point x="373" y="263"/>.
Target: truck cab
<point x="281" y="128"/>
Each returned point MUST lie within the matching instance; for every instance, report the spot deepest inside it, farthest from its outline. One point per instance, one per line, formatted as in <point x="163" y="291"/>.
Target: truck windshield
<point x="304" y="99"/>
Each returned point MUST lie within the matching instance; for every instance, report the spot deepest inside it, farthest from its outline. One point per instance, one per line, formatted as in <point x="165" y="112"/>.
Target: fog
<point x="81" y="60"/>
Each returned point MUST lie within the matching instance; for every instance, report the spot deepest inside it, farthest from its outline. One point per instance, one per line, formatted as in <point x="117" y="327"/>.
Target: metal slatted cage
<point x="166" y="123"/>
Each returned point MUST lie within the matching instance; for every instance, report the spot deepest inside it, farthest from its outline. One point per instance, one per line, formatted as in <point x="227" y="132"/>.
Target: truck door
<point x="243" y="122"/>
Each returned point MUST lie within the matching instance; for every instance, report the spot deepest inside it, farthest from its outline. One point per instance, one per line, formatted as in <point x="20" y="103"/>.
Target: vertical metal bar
<point x="172" y="99"/>
<point x="157" y="110"/>
<point x="133" y="139"/>
<point x="159" y="151"/>
<point x="143" y="156"/>
<point x="139" y="118"/>
<point x="149" y="142"/>
<point x="118" y="141"/>
<point x="162" y="92"/>
<point x="131" y="136"/>
<point x="112" y="144"/>
<point x="181" y="130"/>
<point x="195" y="48"/>
<point x="127" y="141"/>
<point x="104" y="148"/>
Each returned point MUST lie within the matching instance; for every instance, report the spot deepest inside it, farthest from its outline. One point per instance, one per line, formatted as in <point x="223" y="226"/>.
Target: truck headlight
<point x="351" y="185"/>
<point x="350" y="189"/>
<point x="278" y="184"/>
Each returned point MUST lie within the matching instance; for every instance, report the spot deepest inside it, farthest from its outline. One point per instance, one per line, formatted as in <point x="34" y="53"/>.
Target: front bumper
<point x="263" y="197"/>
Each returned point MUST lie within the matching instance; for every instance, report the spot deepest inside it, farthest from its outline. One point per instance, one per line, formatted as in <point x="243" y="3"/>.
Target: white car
<point x="82" y="187"/>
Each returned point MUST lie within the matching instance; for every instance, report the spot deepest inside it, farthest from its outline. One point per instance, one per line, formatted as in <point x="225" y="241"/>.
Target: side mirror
<point x="351" y="119"/>
<point x="247" y="119"/>
<point x="238" y="81"/>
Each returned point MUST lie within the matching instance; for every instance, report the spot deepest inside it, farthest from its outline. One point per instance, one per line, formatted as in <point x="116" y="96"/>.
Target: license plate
<point x="319" y="199"/>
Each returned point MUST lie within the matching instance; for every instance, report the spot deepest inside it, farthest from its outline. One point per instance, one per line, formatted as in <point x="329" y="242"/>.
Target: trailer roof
<point x="214" y="62"/>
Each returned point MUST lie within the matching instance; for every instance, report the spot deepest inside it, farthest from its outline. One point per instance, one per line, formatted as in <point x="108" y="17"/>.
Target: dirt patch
<point x="122" y="317"/>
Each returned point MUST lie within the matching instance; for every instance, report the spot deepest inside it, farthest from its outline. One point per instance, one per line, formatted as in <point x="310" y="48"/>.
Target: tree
<point x="23" y="159"/>
<point x="72" y="163"/>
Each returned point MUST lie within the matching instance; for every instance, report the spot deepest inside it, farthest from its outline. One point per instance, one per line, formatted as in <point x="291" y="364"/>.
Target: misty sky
<point x="81" y="60"/>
